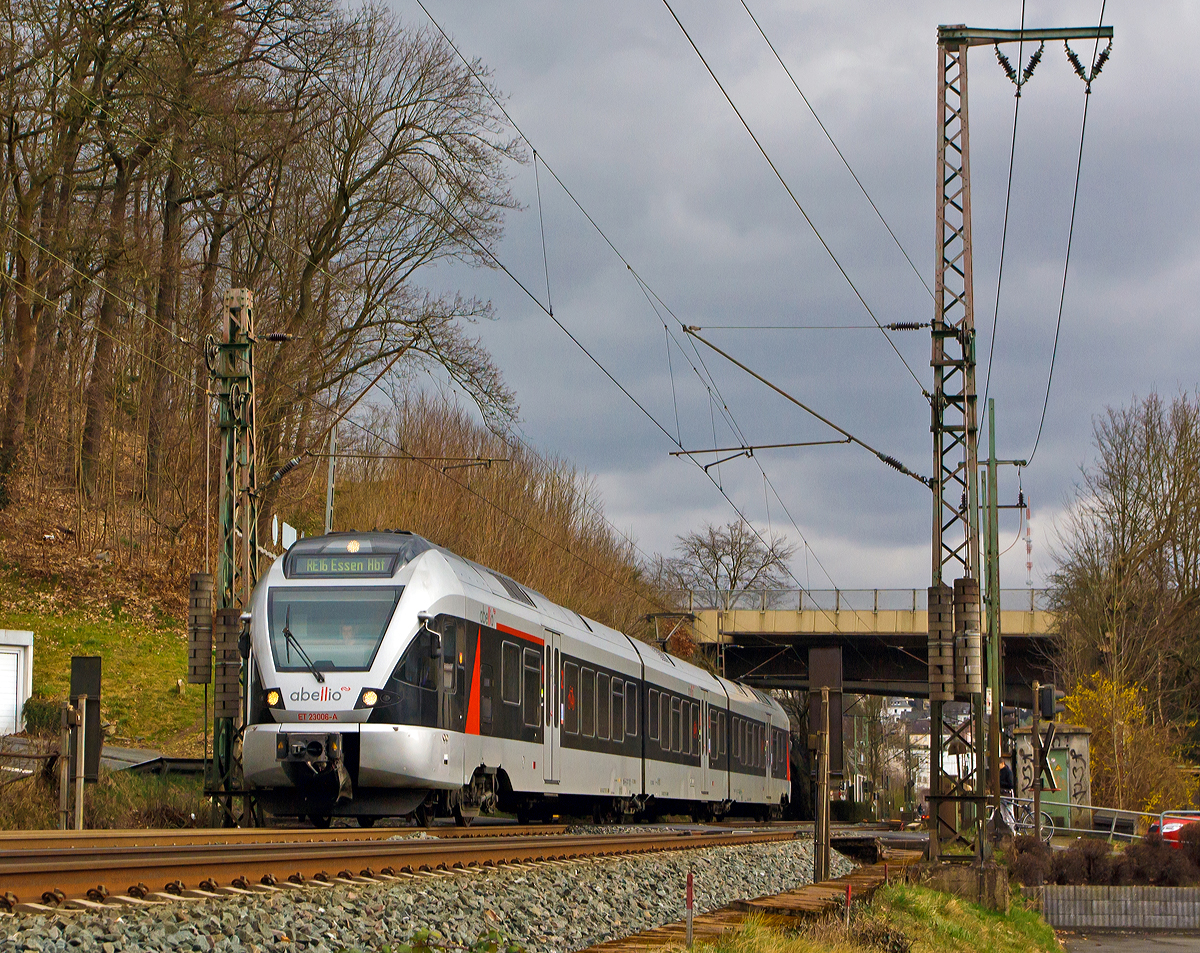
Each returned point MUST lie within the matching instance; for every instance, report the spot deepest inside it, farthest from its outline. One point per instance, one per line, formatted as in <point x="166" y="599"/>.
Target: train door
<point x="553" y="725"/>
<point x="706" y="741"/>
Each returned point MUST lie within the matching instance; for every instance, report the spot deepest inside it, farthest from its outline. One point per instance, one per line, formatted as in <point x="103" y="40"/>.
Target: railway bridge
<point x="878" y="638"/>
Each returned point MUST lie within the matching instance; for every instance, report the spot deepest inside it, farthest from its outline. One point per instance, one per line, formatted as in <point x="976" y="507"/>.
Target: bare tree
<point x="1128" y="581"/>
<point x="727" y="560"/>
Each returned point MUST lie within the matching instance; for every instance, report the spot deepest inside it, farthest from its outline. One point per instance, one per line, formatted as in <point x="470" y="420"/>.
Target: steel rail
<point x="68" y="840"/>
<point x="30" y="873"/>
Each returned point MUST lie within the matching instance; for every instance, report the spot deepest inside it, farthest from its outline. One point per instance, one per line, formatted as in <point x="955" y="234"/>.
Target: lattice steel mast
<point x="954" y="426"/>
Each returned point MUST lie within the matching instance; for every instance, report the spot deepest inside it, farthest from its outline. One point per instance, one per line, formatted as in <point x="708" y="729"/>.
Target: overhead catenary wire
<point x="134" y="309"/>
<point x="491" y="255"/>
<point x="1062" y="296"/>
<point x="884" y="457"/>
<point x="651" y="295"/>
<point x="1018" y="80"/>
<point x="792" y="195"/>
<point x="846" y="162"/>
<point x="330" y="409"/>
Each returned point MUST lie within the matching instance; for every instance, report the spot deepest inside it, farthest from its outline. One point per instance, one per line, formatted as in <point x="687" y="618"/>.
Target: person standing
<point x="1007" y="793"/>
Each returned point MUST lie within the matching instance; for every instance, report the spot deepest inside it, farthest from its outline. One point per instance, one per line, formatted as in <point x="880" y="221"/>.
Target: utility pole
<point x="995" y="685"/>
<point x="954" y="426"/>
<point x="1035" y="737"/>
<point x="821" y="804"/>
<point x="231" y="363"/>
<point x="329" y="480"/>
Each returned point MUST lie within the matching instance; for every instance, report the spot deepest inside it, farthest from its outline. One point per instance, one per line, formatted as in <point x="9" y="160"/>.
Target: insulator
<point x="1101" y="60"/>
<point x="1075" y="62"/>
<point x="278" y="336"/>
<point x="907" y="325"/>
<point x="1033" y="62"/>
<point x="963" y="504"/>
<point x="1021" y="499"/>
<point x="1005" y="64"/>
<point x="285" y="469"/>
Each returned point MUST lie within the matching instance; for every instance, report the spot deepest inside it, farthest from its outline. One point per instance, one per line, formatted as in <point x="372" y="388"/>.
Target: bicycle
<point x="1023" y="817"/>
<point x="1025" y="825"/>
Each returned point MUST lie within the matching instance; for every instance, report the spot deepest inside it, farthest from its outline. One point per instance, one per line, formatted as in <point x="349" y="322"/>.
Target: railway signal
<point x="1050" y="702"/>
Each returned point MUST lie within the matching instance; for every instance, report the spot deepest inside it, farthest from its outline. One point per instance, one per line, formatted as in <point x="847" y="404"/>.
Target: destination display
<point x="364" y="565"/>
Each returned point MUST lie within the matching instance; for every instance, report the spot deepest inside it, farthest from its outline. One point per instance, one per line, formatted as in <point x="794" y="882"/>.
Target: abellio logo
<point x="324" y="694"/>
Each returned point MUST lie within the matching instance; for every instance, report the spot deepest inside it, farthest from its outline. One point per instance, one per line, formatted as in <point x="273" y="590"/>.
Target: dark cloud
<point x="620" y="106"/>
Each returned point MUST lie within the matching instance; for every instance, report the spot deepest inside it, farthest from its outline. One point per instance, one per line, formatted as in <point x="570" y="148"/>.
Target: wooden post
<point x="64" y="769"/>
<point x="689" y="909"/>
<point x="80" y="731"/>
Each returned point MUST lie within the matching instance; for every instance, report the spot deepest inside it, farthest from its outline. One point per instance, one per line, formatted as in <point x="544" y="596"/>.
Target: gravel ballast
<point x="548" y="908"/>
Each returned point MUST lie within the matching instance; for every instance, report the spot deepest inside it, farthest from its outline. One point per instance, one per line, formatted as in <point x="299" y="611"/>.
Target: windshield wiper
<point x="290" y="640"/>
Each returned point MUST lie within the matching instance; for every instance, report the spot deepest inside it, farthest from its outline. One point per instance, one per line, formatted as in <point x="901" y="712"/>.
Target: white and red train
<point x="390" y="677"/>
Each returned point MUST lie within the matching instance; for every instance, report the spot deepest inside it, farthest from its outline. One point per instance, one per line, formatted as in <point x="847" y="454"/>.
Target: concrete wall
<point x="1121" y="908"/>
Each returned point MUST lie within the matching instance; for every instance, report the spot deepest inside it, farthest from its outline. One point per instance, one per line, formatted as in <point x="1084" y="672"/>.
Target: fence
<point x="837" y="600"/>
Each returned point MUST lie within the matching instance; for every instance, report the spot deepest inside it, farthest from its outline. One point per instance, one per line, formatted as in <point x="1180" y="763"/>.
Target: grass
<point x="118" y="800"/>
<point x="900" y="919"/>
<point x="143" y="659"/>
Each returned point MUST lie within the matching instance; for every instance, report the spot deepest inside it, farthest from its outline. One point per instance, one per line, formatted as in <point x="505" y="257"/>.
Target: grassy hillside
<point x="143" y="658"/>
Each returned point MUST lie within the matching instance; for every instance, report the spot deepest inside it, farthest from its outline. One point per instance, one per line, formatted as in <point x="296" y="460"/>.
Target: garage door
<point x="10" y="682"/>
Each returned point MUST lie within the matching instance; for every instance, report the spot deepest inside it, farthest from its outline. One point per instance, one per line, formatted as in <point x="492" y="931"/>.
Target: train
<point x="390" y="677"/>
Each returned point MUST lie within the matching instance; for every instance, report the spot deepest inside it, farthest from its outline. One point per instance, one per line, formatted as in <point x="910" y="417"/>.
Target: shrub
<point x="1153" y="861"/>
<point x="1097" y="857"/>
<point x="43" y="716"/>
<point x="1189" y="842"/>
<point x="1068" y="867"/>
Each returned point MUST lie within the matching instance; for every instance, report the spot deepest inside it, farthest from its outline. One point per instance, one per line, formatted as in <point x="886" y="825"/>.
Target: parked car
<point x="1171" y="823"/>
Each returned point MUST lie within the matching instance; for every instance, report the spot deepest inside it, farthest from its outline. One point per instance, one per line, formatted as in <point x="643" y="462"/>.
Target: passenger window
<point x="721" y="730"/>
<point x="676" y="725"/>
<point x="695" y="729"/>
<point x="587" y="698"/>
<point x="548" y="696"/>
<point x="571" y="698"/>
<point x="618" y="710"/>
<point x="510" y="673"/>
<point x="737" y="739"/>
<point x="664" y="720"/>
<point x="533" y="688"/>
<point x="485" y="694"/>
<point x="602" y="688"/>
<point x="652" y="716"/>
<point x="631" y="699"/>
<point x="713" y="746"/>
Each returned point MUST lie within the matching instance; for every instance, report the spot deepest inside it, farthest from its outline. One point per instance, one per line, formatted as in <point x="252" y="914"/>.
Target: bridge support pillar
<point x="825" y="672"/>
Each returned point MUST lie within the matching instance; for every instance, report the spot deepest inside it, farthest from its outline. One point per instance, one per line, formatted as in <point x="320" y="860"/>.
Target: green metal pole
<point x="993" y="611"/>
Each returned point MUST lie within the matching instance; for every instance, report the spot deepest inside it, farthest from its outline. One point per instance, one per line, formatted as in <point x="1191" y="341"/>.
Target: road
<point x="1131" y="942"/>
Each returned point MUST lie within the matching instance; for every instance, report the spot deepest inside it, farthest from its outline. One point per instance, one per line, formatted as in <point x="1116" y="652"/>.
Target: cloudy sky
<point x="620" y="106"/>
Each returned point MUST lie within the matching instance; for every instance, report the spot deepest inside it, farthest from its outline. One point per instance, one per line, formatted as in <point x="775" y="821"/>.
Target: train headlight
<point x="273" y="698"/>
<point x="375" y="698"/>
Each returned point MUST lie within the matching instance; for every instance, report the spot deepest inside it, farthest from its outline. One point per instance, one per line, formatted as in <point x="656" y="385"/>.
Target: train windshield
<point x="337" y="628"/>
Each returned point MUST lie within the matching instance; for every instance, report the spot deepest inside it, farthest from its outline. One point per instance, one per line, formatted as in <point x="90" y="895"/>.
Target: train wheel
<point x="423" y="814"/>
<point x="463" y="818"/>
<point x="366" y="820"/>
<point x="320" y="820"/>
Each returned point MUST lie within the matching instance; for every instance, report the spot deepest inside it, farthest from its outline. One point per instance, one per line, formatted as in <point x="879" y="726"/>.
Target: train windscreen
<point x="329" y="629"/>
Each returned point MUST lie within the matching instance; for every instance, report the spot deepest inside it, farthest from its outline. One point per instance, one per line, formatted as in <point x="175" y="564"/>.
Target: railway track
<point x="77" y="840"/>
<point x="89" y="871"/>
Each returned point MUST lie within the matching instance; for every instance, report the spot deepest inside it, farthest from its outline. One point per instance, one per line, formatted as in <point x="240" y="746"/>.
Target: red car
<point x="1171" y="823"/>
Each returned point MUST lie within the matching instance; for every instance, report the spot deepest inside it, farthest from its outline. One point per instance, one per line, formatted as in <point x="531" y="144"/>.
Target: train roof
<point x="396" y="548"/>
